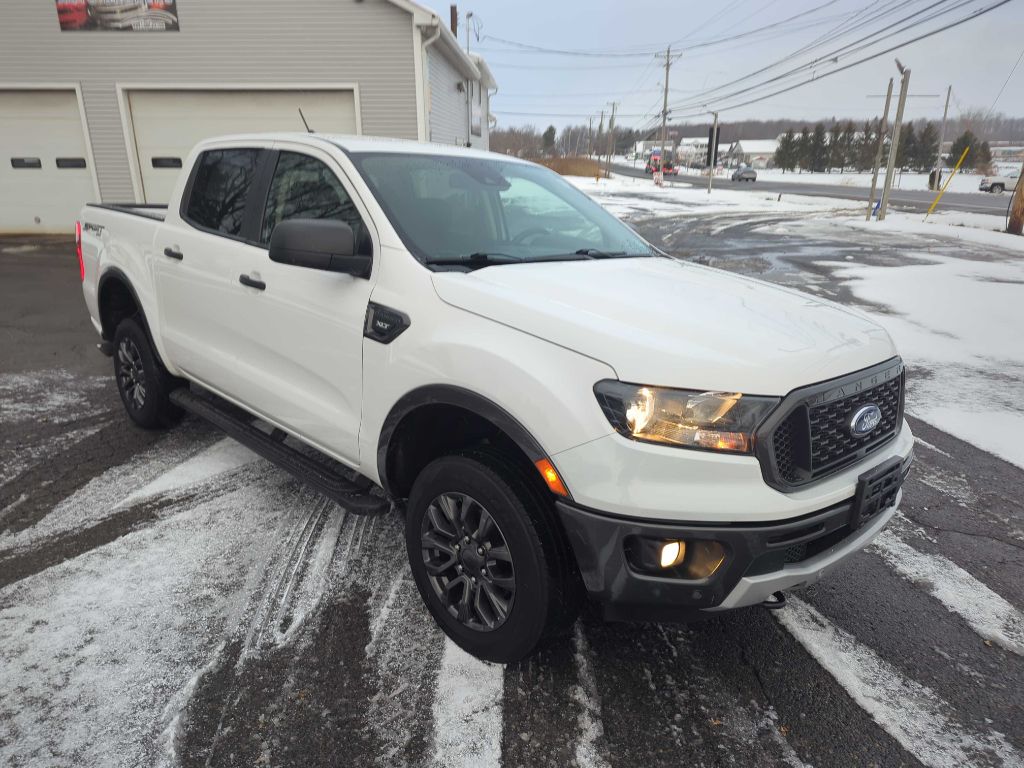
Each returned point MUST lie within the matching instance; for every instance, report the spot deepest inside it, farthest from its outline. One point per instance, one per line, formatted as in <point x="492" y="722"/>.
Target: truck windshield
<point x="470" y="212"/>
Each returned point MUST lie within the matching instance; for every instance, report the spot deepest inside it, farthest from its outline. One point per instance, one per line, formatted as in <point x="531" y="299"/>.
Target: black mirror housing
<point x="325" y="244"/>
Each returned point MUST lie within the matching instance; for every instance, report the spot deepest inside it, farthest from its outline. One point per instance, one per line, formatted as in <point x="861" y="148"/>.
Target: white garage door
<point x="44" y="173"/>
<point x="167" y="124"/>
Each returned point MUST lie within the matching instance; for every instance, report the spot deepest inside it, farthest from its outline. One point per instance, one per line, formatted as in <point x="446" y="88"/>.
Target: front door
<point x="303" y="328"/>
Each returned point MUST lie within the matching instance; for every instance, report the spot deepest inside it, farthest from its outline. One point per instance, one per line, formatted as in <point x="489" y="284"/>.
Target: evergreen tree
<point x="817" y="154"/>
<point x="849" y="150"/>
<point x="965" y="140"/>
<point x="866" y="144"/>
<point x="835" y="147"/>
<point x="549" y="138"/>
<point x="927" y="147"/>
<point x="803" y="150"/>
<point x="983" y="161"/>
<point x="907" y="149"/>
<point x="786" y="152"/>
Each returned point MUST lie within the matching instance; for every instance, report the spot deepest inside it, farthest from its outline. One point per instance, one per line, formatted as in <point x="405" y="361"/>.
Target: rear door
<point x="302" y="331"/>
<point x="198" y="255"/>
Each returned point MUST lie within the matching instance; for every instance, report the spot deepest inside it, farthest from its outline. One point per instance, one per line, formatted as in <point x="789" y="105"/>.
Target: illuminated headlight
<point x="711" y="421"/>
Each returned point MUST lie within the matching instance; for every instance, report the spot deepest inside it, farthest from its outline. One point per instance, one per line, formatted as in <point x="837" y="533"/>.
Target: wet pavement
<point x="169" y="599"/>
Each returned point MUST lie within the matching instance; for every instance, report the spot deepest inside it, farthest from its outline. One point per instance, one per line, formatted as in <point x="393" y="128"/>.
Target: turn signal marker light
<point x="551" y="478"/>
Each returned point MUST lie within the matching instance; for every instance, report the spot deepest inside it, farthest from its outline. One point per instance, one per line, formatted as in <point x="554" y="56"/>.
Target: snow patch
<point x="987" y="613"/>
<point x="467" y="710"/>
<point x="922" y="722"/>
<point x="220" y="457"/>
<point x="962" y="335"/>
<point x="585" y="693"/>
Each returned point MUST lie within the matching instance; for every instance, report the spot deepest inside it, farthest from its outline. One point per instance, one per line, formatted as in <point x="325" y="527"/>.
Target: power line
<point x="606" y="53"/>
<point x="923" y="36"/>
<point x="833" y="55"/>
<point x="1003" y="88"/>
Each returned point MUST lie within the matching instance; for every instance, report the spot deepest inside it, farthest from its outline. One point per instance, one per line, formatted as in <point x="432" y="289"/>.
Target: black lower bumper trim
<point x="626" y="593"/>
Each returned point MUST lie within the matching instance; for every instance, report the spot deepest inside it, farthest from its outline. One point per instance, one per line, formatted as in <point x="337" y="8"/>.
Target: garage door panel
<point x="44" y="129"/>
<point x="168" y="123"/>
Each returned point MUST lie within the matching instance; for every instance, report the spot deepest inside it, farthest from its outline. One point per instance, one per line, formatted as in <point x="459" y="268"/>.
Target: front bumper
<point x="761" y="558"/>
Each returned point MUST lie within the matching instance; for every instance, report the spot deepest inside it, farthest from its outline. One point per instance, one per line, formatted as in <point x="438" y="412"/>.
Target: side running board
<point x="355" y="493"/>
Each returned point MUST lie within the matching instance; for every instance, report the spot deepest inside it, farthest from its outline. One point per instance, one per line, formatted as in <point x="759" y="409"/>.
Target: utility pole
<point x="611" y="137"/>
<point x="895" y="141"/>
<point x="1016" y="225"/>
<point x="942" y="137"/>
<point x="882" y="127"/>
<point x="711" y="151"/>
<point x="660" y="175"/>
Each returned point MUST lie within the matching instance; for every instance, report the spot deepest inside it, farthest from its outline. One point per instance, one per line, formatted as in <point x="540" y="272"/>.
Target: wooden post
<point x="1016" y="225"/>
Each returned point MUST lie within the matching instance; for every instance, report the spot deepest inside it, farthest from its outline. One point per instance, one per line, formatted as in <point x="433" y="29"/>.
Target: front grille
<point x="831" y="441"/>
<point x="809" y="437"/>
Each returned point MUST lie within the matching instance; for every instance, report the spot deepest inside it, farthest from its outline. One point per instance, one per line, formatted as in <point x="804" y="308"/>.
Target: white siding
<point x="449" y="118"/>
<point x="369" y="43"/>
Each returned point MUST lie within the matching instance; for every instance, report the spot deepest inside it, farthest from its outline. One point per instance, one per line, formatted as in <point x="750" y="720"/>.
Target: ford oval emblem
<point x="865" y="420"/>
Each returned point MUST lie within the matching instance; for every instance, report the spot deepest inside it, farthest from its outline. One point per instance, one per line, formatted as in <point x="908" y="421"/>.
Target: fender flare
<point x="114" y="273"/>
<point x="449" y="394"/>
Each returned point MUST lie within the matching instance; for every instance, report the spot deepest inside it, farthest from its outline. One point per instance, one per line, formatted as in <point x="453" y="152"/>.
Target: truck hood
<point x="664" y="322"/>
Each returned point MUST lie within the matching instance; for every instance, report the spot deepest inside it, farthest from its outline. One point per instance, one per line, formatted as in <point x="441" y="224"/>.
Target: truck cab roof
<point x="349" y="143"/>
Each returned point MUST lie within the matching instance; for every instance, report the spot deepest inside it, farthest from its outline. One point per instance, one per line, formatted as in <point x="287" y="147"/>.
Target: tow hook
<point x="775" y="602"/>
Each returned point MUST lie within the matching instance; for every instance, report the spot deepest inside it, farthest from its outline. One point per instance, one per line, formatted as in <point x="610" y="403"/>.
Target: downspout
<point x="436" y="23"/>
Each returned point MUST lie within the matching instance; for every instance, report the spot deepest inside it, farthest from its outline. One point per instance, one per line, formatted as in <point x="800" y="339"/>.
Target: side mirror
<point x="318" y="244"/>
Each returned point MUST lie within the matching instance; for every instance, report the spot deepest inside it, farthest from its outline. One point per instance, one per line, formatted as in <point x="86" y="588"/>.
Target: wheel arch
<point x="401" y="454"/>
<point x="115" y="297"/>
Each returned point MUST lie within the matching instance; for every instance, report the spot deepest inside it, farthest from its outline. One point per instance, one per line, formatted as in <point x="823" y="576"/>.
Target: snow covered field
<point x="962" y="182"/>
<point x="629" y="197"/>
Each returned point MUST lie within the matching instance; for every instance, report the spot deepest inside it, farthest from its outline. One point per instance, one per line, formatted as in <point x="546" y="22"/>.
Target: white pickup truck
<point x="559" y="409"/>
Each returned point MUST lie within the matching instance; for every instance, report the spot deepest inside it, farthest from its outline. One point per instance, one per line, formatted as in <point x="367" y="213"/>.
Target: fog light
<point x="705" y="558"/>
<point x="672" y="553"/>
<point x="675" y="558"/>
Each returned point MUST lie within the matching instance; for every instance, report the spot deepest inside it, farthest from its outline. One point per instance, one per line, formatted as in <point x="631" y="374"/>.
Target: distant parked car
<point x="999" y="184"/>
<point x="654" y="164"/>
<point x="744" y="174"/>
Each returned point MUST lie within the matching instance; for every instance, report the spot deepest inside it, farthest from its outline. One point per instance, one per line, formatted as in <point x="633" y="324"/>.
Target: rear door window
<point x="305" y="188"/>
<point x="220" y="189"/>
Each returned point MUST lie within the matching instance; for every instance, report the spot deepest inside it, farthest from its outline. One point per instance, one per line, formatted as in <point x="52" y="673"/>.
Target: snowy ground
<point x="962" y="182"/>
<point x="171" y="599"/>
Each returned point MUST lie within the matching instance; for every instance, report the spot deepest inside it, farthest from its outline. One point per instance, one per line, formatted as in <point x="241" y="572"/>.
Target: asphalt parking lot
<point x="170" y="599"/>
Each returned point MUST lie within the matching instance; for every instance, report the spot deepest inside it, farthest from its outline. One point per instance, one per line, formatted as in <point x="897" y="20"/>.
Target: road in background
<point x="910" y="200"/>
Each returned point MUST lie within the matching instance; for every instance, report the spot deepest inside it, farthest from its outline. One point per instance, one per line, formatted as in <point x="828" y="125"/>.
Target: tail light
<point x="78" y="250"/>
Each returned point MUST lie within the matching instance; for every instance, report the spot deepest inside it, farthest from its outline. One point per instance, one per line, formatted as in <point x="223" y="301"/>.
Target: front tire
<point x="488" y="556"/>
<point x="143" y="382"/>
<point x="997" y="189"/>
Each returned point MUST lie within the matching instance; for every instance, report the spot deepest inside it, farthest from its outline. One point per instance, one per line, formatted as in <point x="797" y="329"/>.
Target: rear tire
<point x="997" y="189"/>
<point x="498" y="589"/>
<point x="143" y="382"/>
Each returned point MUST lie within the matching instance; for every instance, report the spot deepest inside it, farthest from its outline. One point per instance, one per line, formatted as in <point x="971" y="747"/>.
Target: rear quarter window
<point x="220" y="189"/>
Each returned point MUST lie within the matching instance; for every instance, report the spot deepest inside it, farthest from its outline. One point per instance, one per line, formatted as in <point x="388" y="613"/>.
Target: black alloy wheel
<point x="143" y="382"/>
<point x="468" y="561"/>
<point x="488" y="554"/>
<point x="131" y="375"/>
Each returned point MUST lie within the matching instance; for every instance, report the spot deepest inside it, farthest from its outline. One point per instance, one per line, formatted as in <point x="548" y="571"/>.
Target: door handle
<point x="173" y="254"/>
<point x="259" y="285"/>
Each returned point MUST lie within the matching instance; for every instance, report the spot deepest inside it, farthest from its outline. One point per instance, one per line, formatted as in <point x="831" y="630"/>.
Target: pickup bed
<point x="560" y="411"/>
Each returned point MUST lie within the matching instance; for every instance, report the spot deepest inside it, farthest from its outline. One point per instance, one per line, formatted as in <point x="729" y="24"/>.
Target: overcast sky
<point x="975" y="58"/>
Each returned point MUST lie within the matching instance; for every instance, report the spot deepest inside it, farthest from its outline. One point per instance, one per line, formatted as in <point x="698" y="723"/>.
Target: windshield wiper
<point x="478" y="259"/>
<point x="595" y="253"/>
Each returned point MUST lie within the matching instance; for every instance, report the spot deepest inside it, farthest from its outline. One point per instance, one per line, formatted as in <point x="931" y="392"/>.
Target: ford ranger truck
<point x="560" y="410"/>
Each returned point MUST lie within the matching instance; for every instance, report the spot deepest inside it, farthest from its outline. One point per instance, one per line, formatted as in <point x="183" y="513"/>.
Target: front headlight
<point x="712" y="421"/>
